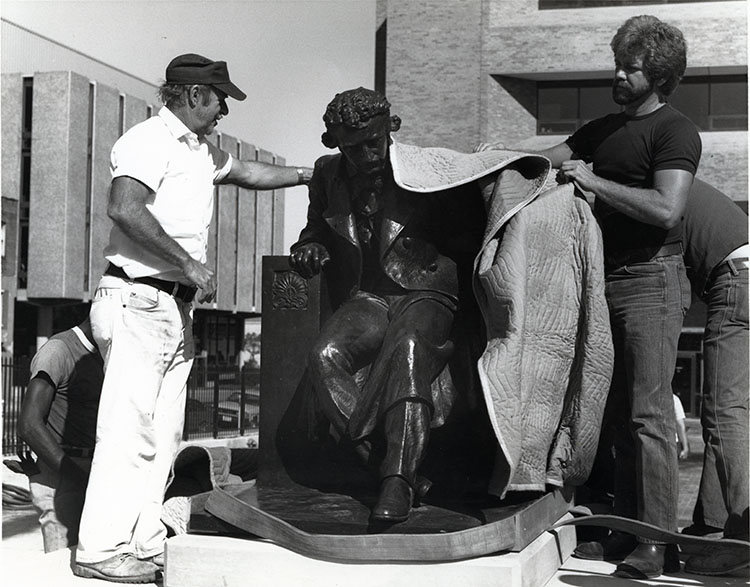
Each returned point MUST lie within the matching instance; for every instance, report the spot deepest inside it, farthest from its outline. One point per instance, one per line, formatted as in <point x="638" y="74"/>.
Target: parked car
<point x="229" y="409"/>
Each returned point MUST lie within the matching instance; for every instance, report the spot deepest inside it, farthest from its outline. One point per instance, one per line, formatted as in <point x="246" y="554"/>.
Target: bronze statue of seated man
<point x="396" y="263"/>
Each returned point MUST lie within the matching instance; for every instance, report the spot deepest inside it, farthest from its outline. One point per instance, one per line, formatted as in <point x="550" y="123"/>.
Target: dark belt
<point x="176" y="289"/>
<point x="730" y="265"/>
<point x="631" y="256"/>
<point x="78" y="452"/>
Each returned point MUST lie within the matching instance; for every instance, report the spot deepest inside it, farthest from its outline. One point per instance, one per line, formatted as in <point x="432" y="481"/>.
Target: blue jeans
<point x="723" y="495"/>
<point x="647" y="303"/>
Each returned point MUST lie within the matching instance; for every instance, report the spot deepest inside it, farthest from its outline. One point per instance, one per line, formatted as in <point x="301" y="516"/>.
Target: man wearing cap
<point x="161" y="202"/>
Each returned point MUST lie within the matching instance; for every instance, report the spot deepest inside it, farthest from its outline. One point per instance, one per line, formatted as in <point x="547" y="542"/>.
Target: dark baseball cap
<point x="196" y="69"/>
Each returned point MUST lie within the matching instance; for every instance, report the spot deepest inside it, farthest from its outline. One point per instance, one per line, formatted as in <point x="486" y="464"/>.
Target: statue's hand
<point x="309" y="259"/>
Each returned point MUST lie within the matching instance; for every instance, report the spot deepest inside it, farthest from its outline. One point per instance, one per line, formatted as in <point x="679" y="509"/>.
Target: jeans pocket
<point x="138" y="297"/>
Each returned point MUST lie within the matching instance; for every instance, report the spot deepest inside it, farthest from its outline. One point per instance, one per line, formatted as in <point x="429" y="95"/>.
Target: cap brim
<point x="231" y="90"/>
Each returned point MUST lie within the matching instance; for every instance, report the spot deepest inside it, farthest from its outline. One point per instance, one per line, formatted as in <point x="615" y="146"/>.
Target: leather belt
<point x="78" y="452"/>
<point x="186" y="293"/>
<point x="730" y="265"/>
<point x="630" y="256"/>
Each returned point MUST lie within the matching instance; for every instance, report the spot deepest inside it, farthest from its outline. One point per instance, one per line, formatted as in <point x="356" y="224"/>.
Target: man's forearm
<point x="256" y="175"/>
<point x="141" y="227"/>
<point x="644" y="205"/>
<point x="39" y="439"/>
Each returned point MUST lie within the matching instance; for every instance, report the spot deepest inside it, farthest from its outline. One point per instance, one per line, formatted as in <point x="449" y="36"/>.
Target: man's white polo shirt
<point x="180" y="170"/>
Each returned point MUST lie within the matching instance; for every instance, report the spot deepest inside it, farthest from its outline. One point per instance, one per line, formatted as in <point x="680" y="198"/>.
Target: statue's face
<point x="366" y="148"/>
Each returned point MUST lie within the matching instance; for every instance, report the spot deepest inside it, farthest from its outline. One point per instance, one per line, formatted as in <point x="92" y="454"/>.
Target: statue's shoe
<point x="394" y="502"/>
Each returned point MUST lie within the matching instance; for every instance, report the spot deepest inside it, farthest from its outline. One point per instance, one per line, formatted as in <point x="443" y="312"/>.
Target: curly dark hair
<point x="661" y="46"/>
<point x="354" y="109"/>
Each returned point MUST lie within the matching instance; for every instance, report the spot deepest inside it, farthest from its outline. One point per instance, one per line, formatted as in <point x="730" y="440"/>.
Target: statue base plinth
<point x="206" y="561"/>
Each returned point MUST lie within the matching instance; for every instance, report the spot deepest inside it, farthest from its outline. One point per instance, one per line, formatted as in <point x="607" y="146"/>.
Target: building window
<point x="24" y="203"/>
<point x="559" y="4"/>
<point x="713" y="103"/>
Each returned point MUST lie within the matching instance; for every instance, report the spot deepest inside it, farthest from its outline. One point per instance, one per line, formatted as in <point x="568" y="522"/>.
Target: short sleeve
<point x="54" y="359"/>
<point x="679" y="146"/>
<point x="141" y="155"/>
<point x="222" y="161"/>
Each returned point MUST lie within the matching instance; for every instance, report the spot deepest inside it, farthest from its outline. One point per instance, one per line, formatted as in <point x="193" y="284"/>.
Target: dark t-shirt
<point x="628" y="150"/>
<point x="713" y="227"/>
<point x="77" y="373"/>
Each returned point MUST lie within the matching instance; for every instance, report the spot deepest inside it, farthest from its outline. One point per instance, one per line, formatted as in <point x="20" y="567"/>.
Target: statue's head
<point x="359" y="123"/>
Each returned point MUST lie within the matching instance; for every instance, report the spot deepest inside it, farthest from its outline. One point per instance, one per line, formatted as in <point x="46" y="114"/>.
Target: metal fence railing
<point x="216" y="396"/>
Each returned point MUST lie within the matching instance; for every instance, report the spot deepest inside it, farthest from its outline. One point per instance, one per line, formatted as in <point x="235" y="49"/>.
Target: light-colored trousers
<point x="145" y="337"/>
<point x="59" y="500"/>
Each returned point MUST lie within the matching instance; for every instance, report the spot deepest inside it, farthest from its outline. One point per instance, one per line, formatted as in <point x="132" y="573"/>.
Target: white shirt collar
<point x="177" y="128"/>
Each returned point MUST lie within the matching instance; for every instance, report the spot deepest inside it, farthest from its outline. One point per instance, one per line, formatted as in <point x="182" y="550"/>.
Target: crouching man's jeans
<point x="723" y="495"/>
<point x="647" y="303"/>
<point x="145" y="337"/>
<point x="59" y="501"/>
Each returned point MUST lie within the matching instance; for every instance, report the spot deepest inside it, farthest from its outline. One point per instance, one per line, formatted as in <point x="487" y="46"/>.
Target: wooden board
<point x="207" y="561"/>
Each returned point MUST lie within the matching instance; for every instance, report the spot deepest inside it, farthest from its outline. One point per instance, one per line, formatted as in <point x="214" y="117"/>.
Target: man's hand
<point x="684" y="454"/>
<point x="309" y="259"/>
<point x="26" y="464"/>
<point x="307" y="173"/>
<point x="203" y="278"/>
<point x="577" y="171"/>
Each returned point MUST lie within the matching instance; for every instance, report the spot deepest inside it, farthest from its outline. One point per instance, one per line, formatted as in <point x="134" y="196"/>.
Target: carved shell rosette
<point x="289" y="291"/>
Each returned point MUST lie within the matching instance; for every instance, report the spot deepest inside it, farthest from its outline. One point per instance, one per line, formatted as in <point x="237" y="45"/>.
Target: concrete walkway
<point x="24" y="563"/>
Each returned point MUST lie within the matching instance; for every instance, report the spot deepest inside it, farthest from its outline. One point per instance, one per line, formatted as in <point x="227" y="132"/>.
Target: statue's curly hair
<point x="662" y="47"/>
<point x="354" y="109"/>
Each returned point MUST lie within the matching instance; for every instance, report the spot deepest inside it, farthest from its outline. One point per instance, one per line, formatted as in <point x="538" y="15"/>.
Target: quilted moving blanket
<point x="539" y="281"/>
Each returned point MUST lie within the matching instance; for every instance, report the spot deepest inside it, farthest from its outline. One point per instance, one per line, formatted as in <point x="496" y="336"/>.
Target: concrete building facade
<point x="61" y="114"/>
<point x="528" y="72"/>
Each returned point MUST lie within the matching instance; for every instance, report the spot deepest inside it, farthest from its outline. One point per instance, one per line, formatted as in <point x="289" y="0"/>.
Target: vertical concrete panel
<point x="106" y="132"/>
<point x="213" y="235"/>
<point x="58" y="186"/>
<point x="277" y="244"/>
<point x="263" y="228"/>
<point x="11" y="111"/>
<point x="246" y="275"/>
<point x="226" y="263"/>
<point x="136" y="111"/>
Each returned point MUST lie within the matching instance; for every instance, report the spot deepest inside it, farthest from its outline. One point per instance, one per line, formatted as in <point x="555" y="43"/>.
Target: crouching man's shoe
<point x="648" y="561"/>
<point x="394" y="502"/>
<point x="121" y="568"/>
<point x="718" y="559"/>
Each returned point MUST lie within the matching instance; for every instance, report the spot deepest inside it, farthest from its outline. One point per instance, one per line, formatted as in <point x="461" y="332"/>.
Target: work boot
<point x="718" y="559"/>
<point x="394" y="501"/>
<point x="648" y="561"/>
<point x="616" y="546"/>
<point x="121" y="568"/>
<point x="157" y="559"/>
